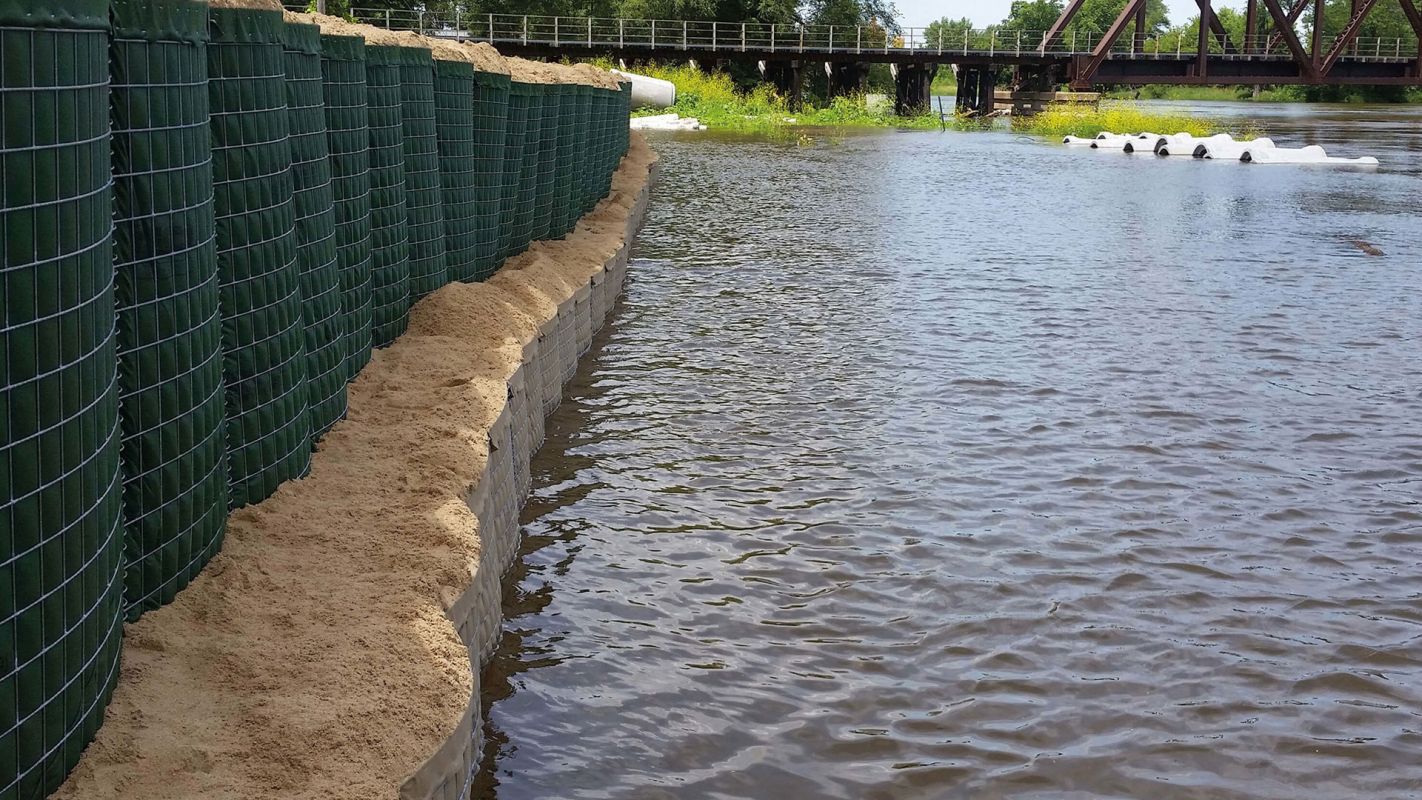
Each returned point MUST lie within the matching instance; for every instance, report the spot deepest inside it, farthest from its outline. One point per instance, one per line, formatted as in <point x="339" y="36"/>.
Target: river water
<point x="962" y="465"/>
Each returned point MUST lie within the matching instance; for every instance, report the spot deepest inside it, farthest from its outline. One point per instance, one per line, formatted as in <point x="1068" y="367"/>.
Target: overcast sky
<point x="918" y="13"/>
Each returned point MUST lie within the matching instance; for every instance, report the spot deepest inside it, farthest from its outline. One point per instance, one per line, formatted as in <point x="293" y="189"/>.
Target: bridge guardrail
<point x="730" y="37"/>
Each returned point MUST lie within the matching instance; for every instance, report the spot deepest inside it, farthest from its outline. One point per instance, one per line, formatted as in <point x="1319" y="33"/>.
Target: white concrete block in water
<point x="1140" y="143"/>
<point x="1077" y="141"/>
<point x="649" y="92"/>
<point x="1230" y="150"/>
<point x="1303" y="155"/>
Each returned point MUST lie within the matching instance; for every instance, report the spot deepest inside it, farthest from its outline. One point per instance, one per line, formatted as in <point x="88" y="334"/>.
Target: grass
<point x="1083" y="120"/>
<point x="714" y="99"/>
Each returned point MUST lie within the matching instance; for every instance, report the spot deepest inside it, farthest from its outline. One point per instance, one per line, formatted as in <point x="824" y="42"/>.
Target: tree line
<point x="876" y="13"/>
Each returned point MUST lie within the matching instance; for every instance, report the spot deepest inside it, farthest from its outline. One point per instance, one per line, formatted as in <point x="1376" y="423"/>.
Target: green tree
<point x="1032" y="16"/>
<point x="944" y="33"/>
<point x="1096" y="16"/>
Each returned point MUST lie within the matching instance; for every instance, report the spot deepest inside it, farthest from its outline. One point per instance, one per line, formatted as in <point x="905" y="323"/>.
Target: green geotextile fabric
<point x="562" y="217"/>
<point x="491" y="115"/>
<point x="347" y="137"/>
<point x="169" y="307"/>
<point x="583" y="151"/>
<point x="61" y="535"/>
<point x="528" y="172"/>
<point x="424" y="193"/>
<point x="389" y="243"/>
<point x="454" y="111"/>
<point x="313" y="201"/>
<point x="624" y="119"/>
<point x="519" y="96"/>
<point x="547" y="164"/>
<point x="264" y="354"/>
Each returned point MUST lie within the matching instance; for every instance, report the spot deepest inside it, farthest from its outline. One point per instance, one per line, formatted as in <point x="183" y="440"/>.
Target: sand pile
<point x="313" y="658"/>
<point x="265" y="5"/>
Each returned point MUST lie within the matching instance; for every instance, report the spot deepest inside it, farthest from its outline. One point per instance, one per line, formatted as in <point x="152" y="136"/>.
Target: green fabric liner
<point x="167" y="21"/>
<point x="583" y="152"/>
<point x="313" y="202"/>
<point x="519" y="96"/>
<point x="547" y="165"/>
<point x="246" y="26"/>
<point x="347" y="134"/>
<point x="169" y="308"/>
<point x="61" y="535"/>
<point x="528" y="172"/>
<point x="424" y="194"/>
<point x="458" y="165"/>
<point x="491" y="114"/>
<point x="264" y="358"/>
<point x="90" y="15"/>
<point x="561" y="218"/>
<point x="389" y="242"/>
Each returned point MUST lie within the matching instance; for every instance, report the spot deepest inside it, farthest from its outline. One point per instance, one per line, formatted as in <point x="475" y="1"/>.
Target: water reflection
<point x="959" y="465"/>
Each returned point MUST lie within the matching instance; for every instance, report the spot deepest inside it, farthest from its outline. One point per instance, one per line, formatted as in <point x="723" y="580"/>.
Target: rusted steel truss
<point x="1131" y="12"/>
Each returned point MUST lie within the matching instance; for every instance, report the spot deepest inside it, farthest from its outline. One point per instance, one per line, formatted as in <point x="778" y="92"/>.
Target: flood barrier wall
<point x="210" y="216"/>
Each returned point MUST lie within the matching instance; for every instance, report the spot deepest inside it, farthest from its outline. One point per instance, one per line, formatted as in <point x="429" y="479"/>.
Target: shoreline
<point x="333" y="647"/>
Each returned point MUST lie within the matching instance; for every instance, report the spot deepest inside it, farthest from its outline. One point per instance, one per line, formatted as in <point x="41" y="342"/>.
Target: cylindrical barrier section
<point x="583" y="152"/>
<point x="166" y="290"/>
<point x="424" y="194"/>
<point x="347" y="138"/>
<point x="520" y="95"/>
<point x="264" y="354"/>
<point x="563" y="189"/>
<point x="61" y="535"/>
<point x="547" y="163"/>
<point x="491" y="115"/>
<point x="313" y="202"/>
<point x="389" y="244"/>
<point x="454" y="109"/>
<point x="528" y="170"/>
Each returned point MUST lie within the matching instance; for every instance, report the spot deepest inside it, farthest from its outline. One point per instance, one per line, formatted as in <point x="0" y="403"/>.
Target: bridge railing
<point x="729" y="37"/>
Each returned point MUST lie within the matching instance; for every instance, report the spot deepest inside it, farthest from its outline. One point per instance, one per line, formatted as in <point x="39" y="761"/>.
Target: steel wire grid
<point x="347" y="136"/>
<point x="61" y="535"/>
<point x="528" y="171"/>
<point x="424" y="193"/>
<point x="491" y="115"/>
<point x="389" y="243"/>
<point x="561" y="215"/>
<point x="169" y="310"/>
<point x="313" y="201"/>
<point x="582" y="152"/>
<point x="458" y="165"/>
<point x="519" y="97"/>
<point x="547" y="164"/>
<point x="268" y="430"/>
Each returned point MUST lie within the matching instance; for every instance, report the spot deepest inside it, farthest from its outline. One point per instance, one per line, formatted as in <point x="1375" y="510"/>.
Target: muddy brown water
<point x="921" y="465"/>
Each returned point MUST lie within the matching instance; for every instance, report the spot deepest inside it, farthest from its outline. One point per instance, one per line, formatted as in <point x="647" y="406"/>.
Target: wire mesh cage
<point x="61" y="535"/>
<point x="520" y="94"/>
<point x="458" y="165"/>
<point x="424" y="192"/>
<point x="264" y="354"/>
<point x="389" y="242"/>
<point x="561" y="216"/>
<point x="313" y="202"/>
<point x="547" y="163"/>
<point x="491" y="116"/>
<point x="168" y="302"/>
<point x="347" y="136"/>
<point x="528" y="171"/>
<point x="583" y="151"/>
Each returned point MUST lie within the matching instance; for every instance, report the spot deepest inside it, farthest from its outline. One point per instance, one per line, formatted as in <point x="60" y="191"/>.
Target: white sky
<point x="918" y="13"/>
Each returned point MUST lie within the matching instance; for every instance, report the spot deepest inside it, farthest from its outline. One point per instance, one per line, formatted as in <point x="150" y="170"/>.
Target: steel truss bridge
<point x="1275" y="50"/>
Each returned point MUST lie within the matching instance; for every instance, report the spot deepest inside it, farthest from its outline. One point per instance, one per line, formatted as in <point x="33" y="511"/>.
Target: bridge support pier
<point x="913" y="88"/>
<point x="845" y="78"/>
<point x="977" y="87"/>
<point x="788" y="78"/>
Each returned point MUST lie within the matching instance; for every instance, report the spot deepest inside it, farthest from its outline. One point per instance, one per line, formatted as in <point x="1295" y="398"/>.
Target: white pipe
<point x="1183" y="144"/>
<point x="1139" y="143"/>
<point x="1077" y="141"/>
<point x="1303" y="155"/>
<point x="1112" y="142"/>
<point x="1230" y="150"/>
<point x="648" y="92"/>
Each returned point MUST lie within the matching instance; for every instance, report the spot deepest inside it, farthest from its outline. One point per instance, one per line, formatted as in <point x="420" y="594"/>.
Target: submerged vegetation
<point x="713" y="98"/>
<point x="1084" y="120"/>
